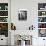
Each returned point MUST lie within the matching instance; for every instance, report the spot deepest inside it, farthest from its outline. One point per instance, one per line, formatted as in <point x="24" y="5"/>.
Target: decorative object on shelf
<point x="40" y="25"/>
<point x="4" y="26"/>
<point x="31" y="27"/>
<point x="3" y="19"/>
<point x="43" y="13"/>
<point x="6" y="7"/>
<point x="0" y="7"/>
<point x="4" y="29"/>
<point x="43" y="39"/>
<point x="13" y="27"/>
<point x="3" y="6"/>
<point x="42" y="32"/>
<point x="41" y="19"/>
<point x="22" y="14"/>
<point x="45" y="7"/>
<point x="3" y="13"/>
<point x="41" y="6"/>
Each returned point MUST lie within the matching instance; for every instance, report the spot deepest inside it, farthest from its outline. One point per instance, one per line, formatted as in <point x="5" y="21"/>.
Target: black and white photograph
<point x="22" y="15"/>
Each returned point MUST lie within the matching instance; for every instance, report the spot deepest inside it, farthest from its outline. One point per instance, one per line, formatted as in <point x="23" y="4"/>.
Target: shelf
<point x="41" y="10"/>
<point x="42" y="16"/>
<point x="41" y="22"/>
<point x="3" y="16"/>
<point x="42" y="19"/>
<point x="3" y="10"/>
<point x="41" y="28"/>
<point x="4" y="19"/>
<point x="3" y="22"/>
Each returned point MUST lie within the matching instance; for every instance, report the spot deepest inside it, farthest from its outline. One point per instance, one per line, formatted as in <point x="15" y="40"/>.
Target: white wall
<point x="32" y="7"/>
<point x="31" y="17"/>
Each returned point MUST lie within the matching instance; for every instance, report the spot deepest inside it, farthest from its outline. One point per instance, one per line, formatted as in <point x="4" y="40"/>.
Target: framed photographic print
<point x="22" y="15"/>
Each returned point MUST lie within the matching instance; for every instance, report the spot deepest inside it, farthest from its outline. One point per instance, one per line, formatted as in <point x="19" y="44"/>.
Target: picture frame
<point x="22" y="15"/>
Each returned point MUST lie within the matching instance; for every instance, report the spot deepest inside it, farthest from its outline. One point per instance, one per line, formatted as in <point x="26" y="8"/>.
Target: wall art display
<point x="42" y="33"/>
<point x="22" y="15"/>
